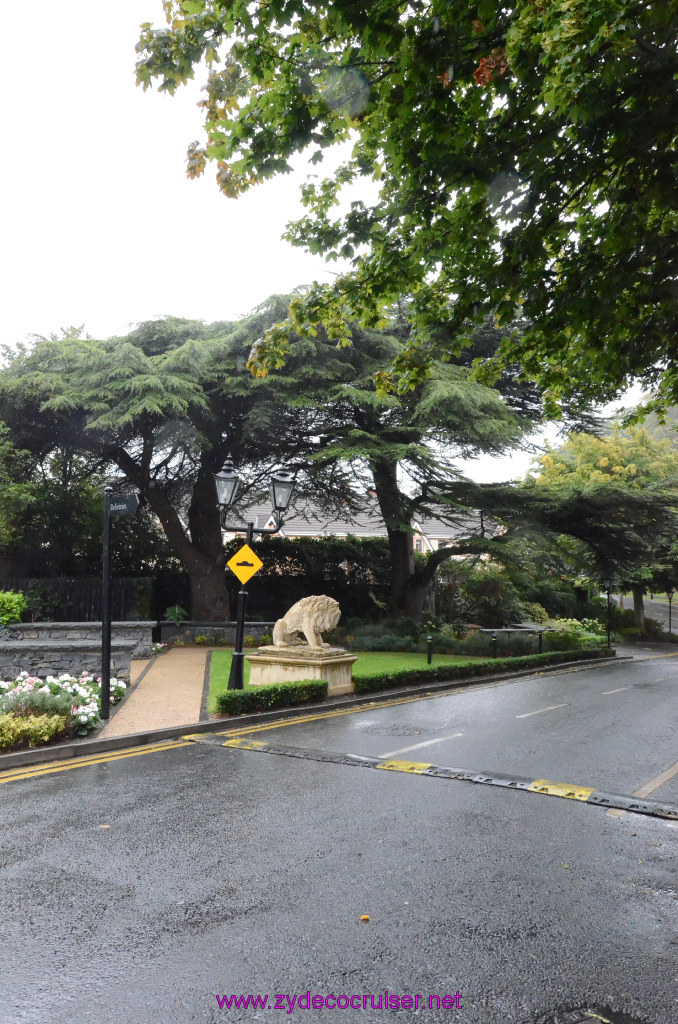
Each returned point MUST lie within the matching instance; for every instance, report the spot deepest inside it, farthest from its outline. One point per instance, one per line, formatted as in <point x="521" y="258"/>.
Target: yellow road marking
<point x="561" y="789"/>
<point x="245" y="730"/>
<point x="414" y="767"/>
<point x="648" y="788"/>
<point x="242" y="743"/>
<point x="653" y="784"/>
<point x="653" y="657"/>
<point x="83" y="762"/>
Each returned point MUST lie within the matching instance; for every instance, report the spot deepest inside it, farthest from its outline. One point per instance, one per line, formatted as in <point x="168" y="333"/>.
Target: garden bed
<point x="36" y="711"/>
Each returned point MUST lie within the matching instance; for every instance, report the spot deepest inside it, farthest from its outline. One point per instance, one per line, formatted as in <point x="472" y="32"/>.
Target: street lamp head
<point x="227" y="482"/>
<point x="280" y="490"/>
<point x="670" y="592"/>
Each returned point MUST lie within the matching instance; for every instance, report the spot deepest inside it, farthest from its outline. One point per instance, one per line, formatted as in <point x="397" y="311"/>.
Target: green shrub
<point x="477" y="643"/>
<point x="176" y="614"/>
<point x="464" y="670"/>
<point x="383" y="642"/>
<point x="249" y="641"/>
<point x="620" y="618"/>
<point x="201" y="640"/>
<point x="35" y="703"/>
<point x="266" y="640"/>
<point x="35" y="730"/>
<point x="355" y="624"/>
<point x="277" y="695"/>
<point x="514" y="645"/>
<point x="573" y="634"/>
<point x="43" y="604"/>
<point x="12" y="606"/>
<point x="404" y="627"/>
<point x="535" y="612"/>
<point x="442" y="644"/>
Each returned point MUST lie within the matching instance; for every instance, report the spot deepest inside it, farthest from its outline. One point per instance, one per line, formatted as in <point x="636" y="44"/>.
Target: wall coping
<point x="213" y="625"/>
<point x="132" y="623"/>
<point x="64" y="645"/>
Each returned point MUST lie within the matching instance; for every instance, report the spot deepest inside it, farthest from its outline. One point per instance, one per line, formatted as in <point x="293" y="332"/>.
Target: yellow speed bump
<point x="414" y="767"/>
<point x="244" y="744"/>
<point x="561" y="789"/>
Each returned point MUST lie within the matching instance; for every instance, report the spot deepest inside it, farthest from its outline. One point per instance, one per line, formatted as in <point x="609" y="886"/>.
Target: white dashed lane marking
<point x="425" y="743"/>
<point x="542" y="710"/>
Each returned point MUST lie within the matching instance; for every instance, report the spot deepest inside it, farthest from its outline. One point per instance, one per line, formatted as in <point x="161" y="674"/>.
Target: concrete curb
<point x="87" y="748"/>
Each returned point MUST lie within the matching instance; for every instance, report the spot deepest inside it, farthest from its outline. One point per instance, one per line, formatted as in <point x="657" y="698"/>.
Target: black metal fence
<point x="59" y="599"/>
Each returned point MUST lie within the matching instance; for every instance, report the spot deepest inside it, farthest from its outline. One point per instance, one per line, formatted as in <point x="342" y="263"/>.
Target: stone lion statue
<point x="310" y="616"/>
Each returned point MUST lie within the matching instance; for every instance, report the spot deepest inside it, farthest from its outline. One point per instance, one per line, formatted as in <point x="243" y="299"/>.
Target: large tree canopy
<point x="165" y="404"/>
<point x="524" y="155"/>
<point x="162" y="407"/>
<point x="631" y="479"/>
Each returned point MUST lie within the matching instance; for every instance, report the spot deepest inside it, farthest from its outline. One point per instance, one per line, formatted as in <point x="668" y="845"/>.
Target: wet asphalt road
<point x="136" y="890"/>
<point x="658" y="610"/>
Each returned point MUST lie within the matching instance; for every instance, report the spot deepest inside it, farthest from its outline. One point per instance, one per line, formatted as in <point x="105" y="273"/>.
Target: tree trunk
<point x="202" y="555"/>
<point x="638" y="608"/>
<point x="403" y="600"/>
<point x="209" y="597"/>
<point x="420" y="597"/>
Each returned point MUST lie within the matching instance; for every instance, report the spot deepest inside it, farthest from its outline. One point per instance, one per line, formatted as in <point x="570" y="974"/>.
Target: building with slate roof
<point x="428" y="533"/>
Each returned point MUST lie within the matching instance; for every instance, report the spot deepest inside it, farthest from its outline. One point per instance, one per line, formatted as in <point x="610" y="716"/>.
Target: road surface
<point x="140" y="888"/>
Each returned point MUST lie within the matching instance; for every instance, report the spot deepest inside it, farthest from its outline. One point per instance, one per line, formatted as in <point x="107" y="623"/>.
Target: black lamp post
<point x="608" y="587"/>
<point x="228" y="485"/>
<point x="122" y="505"/>
<point x="669" y="593"/>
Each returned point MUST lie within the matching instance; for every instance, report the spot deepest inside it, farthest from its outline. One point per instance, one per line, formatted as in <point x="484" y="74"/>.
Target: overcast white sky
<point x="100" y="225"/>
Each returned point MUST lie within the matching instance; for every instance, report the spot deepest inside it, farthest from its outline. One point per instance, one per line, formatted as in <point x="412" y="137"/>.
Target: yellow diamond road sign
<point x="245" y="563"/>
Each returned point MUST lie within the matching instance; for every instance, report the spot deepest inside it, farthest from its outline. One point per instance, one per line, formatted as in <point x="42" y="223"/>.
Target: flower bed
<point x="76" y="702"/>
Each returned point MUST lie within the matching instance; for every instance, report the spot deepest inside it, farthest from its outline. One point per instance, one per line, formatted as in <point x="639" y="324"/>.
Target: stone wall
<point x="53" y="657"/>
<point x="137" y="634"/>
<point x="224" y="632"/>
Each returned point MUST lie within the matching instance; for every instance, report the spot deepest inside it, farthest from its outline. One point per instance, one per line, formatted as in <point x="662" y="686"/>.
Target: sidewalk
<point x="165" y="691"/>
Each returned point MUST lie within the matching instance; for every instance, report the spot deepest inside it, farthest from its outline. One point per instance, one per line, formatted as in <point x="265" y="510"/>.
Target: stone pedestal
<point x="290" y="664"/>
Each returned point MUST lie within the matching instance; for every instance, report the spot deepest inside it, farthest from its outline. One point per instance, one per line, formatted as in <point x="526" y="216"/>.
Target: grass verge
<point x="369" y="663"/>
<point x="381" y="670"/>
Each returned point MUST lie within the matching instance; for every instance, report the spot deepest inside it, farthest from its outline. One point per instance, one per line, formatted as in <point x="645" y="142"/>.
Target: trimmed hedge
<point x="36" y="729"/>
<point x="277" y="695"/>
<point x="466" y="669"/>
<point x="308" y="691"/>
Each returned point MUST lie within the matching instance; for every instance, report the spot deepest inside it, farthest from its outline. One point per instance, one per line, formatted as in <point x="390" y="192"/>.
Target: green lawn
<point x="368" y="663"/>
